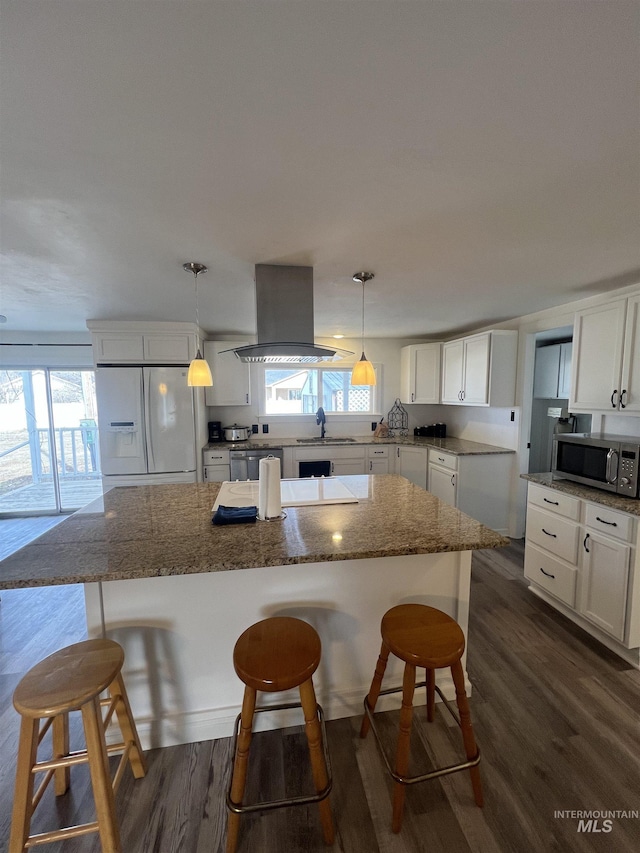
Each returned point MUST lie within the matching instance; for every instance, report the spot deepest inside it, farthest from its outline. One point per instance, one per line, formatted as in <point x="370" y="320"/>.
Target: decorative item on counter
<point x="382" y="430"/>
<point x="269" y="497"/>
<point x="398" y="419"/>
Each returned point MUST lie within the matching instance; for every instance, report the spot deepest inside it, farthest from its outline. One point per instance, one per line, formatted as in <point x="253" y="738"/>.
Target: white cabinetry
<point x="215" y="465"/>
<point x="231" y="377"/>
<point x="377" y="459"/>
<point x="420" y="373"/>
<point x="552" y="377"/>
<point x="477" y="485"/>
<point x="132" y="342"/>
<point x="606" y="362"/>
<point x="411" y="462"/>
<point x="480" y="370"/>
<point x="585" y="556"/>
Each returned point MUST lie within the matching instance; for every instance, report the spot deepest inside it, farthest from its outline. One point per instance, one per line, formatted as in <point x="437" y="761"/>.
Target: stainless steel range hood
<point x="284" y="303"/>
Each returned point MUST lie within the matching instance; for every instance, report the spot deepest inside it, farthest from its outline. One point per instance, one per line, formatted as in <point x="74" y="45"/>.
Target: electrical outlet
<point x="265" y="428"/>
<point x="254" y="428"/>
<point x="513" y="416"/>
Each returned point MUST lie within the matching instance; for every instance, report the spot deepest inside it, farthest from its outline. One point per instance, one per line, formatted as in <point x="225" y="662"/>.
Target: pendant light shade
<point x="363" y="372"/>
<point x="199" y="375"/>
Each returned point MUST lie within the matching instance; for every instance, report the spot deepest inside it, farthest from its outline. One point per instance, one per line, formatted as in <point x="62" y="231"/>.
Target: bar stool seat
<point x="421" y="636"/>
<point x="277" y="654"/>
<point x="72" y="679"/>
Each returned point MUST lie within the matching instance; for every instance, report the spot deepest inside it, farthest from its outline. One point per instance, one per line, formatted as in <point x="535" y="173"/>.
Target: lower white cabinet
<point x="411" y="462"/>
<point x="215" y="466"/>
<point x="605" y="578"/>
<point x="477" y="485"/>
<point x="585" y="556"/>
<point x="377" y="461"/>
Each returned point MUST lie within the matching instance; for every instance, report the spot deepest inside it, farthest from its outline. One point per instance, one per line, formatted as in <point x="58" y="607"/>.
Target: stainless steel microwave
<point x="609" y="462"/>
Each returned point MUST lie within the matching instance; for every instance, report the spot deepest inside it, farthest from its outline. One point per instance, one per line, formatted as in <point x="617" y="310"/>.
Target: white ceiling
<point x="482" y="158"/>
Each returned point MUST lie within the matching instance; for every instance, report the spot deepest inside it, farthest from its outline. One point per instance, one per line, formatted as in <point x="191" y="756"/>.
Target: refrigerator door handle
<point x="146" y="383"/>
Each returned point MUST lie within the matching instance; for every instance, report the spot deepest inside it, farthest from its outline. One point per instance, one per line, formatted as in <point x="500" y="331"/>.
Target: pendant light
<point x="363" y="372"/>
<point x="199" y="372"/>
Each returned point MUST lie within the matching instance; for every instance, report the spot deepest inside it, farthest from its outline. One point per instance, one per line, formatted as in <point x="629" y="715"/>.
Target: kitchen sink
<point x="325" y="440"/>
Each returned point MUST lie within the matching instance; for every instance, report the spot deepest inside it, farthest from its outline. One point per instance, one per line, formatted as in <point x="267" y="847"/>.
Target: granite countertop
<point x="455" y="446"/>
<point x="153" y="531"/>
<point x="613" y="501"/>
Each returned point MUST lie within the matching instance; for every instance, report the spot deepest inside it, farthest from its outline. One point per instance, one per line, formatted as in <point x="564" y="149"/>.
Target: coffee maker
<point x="215" y="431"/>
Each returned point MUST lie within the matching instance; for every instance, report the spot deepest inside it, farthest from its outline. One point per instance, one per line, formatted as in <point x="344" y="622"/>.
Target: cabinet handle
<point x="610" y="523"/>
<point x="584" y="544"/>
<point x="205" y="473"/>
<point x="413" y="396"/>
<point x="371" y="466"/>
<point x="246" y="396"/>
<point x="623" y="394"/>
<point x="549" y="534"/>
<point x="332" y="467"/>
<point x="398" y="452"/>
<point x="463" y="396"/>
<point x="547" y="501"/>
<point x="614" y="405"/>
<point x="453" y="479"/>
<point x="548" y="574"/>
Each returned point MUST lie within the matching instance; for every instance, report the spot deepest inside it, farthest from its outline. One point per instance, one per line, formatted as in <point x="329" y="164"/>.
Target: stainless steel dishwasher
<point x="244" y="464"/>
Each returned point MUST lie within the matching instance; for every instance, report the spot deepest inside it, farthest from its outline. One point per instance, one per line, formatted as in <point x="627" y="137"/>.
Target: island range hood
<point x="284" y="304"/>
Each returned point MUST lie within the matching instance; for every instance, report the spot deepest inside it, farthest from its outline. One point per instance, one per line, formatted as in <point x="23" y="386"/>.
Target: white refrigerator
<point x="147" y="426"/>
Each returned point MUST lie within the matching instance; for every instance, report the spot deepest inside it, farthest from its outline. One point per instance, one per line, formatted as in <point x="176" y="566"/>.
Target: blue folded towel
<point x="235" y="515"/>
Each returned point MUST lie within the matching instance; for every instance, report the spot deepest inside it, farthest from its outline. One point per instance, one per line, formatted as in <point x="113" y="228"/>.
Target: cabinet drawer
<point x="328" y="451"/>
<point x="215" y="457"/>
<point x="444" y="460"/>
<point x="618" y="525"/>
<point x="551" y="574"/>
<point x="554" y="501"/>
<point x="378" y="452"/>
<point x="553" y="533"/>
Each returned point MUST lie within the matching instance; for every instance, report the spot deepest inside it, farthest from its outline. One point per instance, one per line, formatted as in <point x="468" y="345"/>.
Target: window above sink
<point x="301" y="390"/>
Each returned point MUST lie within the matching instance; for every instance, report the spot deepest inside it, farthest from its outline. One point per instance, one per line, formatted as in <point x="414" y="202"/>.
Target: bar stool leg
<point x="23" y="796"/>
<point x="128" y="726"/>
<point x="239" y="777"/>
<point x="468" y="737"/>
<point x="60" y="737"/>
<point x="431" y="694"/>
<point x="101" y="777"/>
<point x="374" y="690"/>
<point x="318" y="767"/>
<point x="404" y="737"/>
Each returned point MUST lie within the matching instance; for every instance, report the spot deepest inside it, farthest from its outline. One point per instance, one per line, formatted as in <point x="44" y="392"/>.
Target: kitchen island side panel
<point x="179" y="632"/>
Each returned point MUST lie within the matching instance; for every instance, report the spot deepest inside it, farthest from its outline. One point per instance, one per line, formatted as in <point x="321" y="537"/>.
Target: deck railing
<point x="76" y="449"/>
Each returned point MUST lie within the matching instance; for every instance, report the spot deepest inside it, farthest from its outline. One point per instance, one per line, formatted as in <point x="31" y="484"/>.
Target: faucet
<point x="321" y="419"/>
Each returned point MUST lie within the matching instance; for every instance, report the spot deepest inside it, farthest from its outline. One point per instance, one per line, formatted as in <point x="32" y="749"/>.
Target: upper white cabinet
<point x="132" y="342"/>
<point x="552" y="376"/>
<point x="420" y="373"/>
<point x="480" y="370"/>
<point x="606" y="360"/>
<point x="231" y="377"/>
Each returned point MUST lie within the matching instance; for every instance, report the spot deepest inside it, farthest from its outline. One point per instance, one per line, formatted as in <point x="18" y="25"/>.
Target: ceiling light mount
<point x="363" y="277"/>
<point x="199" y="371"/>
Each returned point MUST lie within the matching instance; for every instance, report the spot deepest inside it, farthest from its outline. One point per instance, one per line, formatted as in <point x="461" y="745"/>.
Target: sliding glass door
<point x="49" y="460"/>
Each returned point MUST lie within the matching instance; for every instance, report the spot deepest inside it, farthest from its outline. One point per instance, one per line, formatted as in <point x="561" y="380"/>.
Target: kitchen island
<point x="176" y="591"/>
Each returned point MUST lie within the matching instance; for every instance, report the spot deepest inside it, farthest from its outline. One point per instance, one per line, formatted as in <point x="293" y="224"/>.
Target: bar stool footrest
<point x="432" y="774"/>
<point x="288" y="801"/>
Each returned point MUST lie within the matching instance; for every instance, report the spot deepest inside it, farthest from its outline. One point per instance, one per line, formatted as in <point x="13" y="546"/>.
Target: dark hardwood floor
<point x="557" y="717"/>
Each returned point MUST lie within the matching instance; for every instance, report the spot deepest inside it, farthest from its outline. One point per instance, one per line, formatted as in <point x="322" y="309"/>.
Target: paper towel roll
<point x="269" y="499"/>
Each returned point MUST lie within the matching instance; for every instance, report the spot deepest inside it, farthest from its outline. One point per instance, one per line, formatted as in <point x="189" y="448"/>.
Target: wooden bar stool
<point x="72" y="679"/>
<point x="277" y="654"/>
<point x="426" y="637"/>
